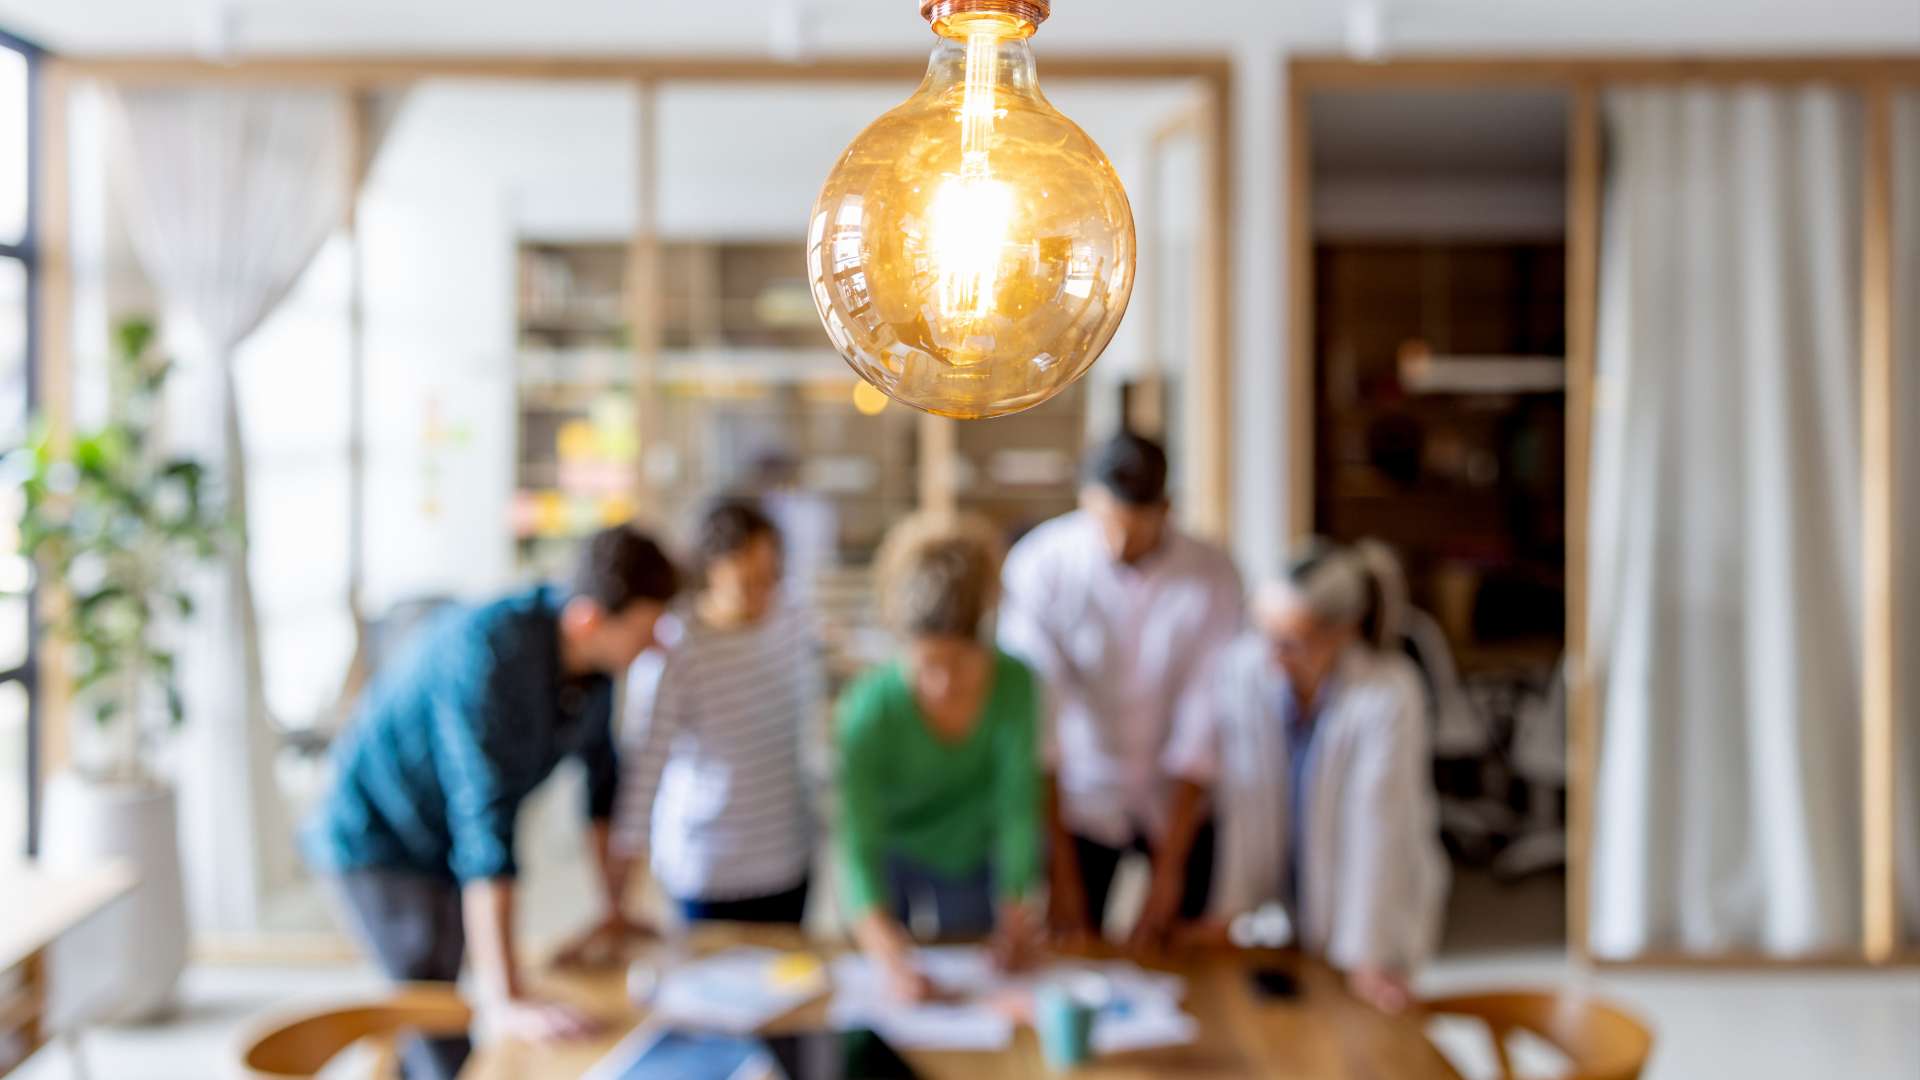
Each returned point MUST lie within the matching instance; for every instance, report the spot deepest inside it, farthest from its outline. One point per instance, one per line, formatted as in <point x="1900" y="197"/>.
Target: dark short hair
<point x="727" y="527"/>
<point x="1131" y="468"/>
<point x="621" y="566"/>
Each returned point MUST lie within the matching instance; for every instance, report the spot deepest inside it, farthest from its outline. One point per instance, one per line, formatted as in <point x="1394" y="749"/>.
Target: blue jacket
<point x="454" y="733"/>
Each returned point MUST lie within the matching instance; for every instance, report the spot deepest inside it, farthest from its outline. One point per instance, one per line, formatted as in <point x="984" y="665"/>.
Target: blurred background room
<point x="1603" y="317"/>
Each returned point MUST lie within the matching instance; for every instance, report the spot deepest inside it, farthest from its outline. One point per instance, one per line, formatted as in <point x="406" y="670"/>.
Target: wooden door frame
<point x="1583" y="78"/>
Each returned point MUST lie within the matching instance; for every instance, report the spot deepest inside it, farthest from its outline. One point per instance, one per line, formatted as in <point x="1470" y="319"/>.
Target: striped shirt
<point x="713" y="787"/>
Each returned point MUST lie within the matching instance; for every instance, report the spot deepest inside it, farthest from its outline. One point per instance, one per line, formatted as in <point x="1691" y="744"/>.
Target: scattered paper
<point x="861" y="1000"/>
<point x="960" y="969"/>
<point x="1143" y="1031"/>
<point x="738" y="990"/>
<point x="927" y="1026"/>
<point x="1139" y="1009"/>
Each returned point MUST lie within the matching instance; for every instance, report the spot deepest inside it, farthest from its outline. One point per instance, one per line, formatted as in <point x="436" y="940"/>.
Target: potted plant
<point x="115" y="524"/>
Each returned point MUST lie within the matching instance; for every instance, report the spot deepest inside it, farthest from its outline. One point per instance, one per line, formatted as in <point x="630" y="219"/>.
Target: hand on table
<point x="890" y="949"/>
<point x="538" y="1020"/>
<point x="1154" y="929"/>
<point x="603" y="944"/>
<point x="1384" y="990"/>
<point x="905" y="981"/>
<point x="1016" y="941"/>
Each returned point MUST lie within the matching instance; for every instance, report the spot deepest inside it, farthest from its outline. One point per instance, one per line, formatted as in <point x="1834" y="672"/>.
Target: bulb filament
<point x="972" y="211"/>
<point x="977" y="100"/>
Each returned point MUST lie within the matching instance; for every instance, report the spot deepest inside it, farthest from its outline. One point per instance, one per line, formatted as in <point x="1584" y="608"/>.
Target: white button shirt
<point x="1120" y="647"/>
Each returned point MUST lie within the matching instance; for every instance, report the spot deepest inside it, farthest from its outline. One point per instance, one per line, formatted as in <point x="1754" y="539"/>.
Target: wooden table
<point x="39" y="907"/>
<point x="1324" y="1035"/>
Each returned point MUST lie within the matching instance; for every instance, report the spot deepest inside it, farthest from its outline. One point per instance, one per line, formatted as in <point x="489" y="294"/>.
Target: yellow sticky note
<point x="794" y="970"/>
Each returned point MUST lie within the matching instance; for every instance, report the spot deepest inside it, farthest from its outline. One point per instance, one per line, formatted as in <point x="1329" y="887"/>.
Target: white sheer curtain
<point x="1906" y="361"/>
<point x="228" y="193"/>
<point x="1726" y="524"/>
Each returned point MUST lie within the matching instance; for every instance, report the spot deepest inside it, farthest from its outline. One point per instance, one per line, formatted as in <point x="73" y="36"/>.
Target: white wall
<point x="465" y="170"/>
<point x="747" y="162"/>
<point x="1260" y="401"/>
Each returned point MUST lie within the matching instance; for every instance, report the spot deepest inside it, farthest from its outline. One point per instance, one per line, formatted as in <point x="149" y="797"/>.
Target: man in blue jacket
<point x="417" y="833"/>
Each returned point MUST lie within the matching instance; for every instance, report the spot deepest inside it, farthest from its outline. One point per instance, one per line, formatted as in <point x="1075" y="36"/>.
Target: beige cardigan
<point x="1374" y="874"/>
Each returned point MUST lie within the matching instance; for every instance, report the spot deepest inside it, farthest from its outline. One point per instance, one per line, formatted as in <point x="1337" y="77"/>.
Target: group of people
<point x="1100" y="690"/>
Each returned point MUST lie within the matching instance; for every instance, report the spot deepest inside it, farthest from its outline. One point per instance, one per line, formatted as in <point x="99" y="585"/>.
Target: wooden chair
<point x="300" y="1046"/>
<point x="1601" y="1041"/>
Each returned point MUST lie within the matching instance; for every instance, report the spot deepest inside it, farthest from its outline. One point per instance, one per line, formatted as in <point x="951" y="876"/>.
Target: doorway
<point x="1437" y="233"/>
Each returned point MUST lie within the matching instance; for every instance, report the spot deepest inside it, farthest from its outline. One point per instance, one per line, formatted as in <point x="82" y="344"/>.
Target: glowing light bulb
<point x="973" y="250"/>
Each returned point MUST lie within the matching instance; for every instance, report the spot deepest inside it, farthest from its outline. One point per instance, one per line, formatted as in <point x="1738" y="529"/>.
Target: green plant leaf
<point x="90" y="677"/>
<point x="133" y="335"/>
<point x="104" y="503"/>
<point x="88" y="603"/>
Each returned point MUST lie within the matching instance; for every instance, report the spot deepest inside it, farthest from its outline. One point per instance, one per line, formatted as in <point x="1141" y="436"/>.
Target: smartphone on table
<point x="1274" y="984"/>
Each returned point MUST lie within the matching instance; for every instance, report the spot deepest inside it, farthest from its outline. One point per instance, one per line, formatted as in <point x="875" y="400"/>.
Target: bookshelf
<point x="746" y="384"/>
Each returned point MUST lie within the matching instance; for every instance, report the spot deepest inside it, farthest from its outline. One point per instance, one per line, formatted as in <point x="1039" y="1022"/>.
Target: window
<point x="18" y="731"/>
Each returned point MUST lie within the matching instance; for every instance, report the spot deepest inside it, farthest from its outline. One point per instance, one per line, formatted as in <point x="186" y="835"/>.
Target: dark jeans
<point x="933" y="905"/>
<point x="786" y="907"/>
<point x="411" y="924"/>
<point x="1098" y="863"/>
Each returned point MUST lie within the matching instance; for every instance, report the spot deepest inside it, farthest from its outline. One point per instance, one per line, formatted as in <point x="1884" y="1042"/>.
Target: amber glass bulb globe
<point x="973" y="251"/>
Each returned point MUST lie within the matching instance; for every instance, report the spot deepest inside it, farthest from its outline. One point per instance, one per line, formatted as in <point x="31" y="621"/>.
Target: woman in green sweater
<point x="939" y="762"/>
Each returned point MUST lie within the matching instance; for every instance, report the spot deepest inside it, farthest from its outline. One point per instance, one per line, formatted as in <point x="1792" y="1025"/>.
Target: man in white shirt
<point x="1121" y="614"/>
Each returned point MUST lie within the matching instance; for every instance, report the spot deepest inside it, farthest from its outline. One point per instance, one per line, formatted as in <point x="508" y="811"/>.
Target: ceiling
<point x="865" y="26"/>
<point x="1461" y="132"/>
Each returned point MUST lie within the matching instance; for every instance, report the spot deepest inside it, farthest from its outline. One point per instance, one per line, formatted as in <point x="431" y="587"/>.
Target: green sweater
<point x="952" y="807"/>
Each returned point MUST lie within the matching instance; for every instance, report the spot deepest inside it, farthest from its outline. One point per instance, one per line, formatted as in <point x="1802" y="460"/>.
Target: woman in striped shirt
<point x="712" y="785"/>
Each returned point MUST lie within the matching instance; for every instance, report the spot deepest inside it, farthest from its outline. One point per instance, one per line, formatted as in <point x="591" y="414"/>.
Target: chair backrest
<point x="300" y="1046"/>
<point x="1601" y="1041"/>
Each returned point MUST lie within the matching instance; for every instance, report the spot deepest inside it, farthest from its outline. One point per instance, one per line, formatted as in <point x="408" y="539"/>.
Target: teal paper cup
<point x="1064" y="1021"/>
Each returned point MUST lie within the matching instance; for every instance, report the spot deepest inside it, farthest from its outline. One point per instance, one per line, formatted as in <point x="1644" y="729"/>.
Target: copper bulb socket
<point x="1032" y="12"/>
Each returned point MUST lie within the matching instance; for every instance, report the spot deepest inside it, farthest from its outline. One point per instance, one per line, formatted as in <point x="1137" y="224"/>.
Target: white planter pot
<point x="122" y="965"/>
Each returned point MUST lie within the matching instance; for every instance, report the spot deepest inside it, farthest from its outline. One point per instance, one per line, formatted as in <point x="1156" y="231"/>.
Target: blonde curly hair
<point x="939" y="575"/>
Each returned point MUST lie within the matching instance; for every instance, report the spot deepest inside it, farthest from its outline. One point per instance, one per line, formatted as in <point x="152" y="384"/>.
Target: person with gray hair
<point x="1320" y="776"/>
<point x="939" y="830"/>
